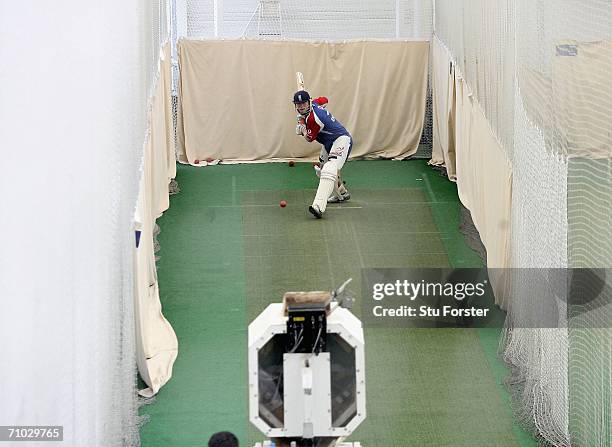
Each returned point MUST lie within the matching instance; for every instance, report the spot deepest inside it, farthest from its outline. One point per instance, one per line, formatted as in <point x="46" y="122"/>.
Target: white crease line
<point x="391" y="233"/>
<point x="240" y="206"/>
<point x="378" y="204"/>
<point x="300" y="255"/>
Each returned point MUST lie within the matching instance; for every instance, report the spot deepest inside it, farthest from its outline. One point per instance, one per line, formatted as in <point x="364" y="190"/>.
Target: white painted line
<point x="318" y="255"/>
<point x="356" y="241"/>
<point x="233" y="190"/>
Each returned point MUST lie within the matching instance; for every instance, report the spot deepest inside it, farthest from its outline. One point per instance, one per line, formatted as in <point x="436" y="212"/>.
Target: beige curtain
<point x="443" y="84"/>
<point x="463" y="138"/>
<point x="236" y="96"/>
<point x="484" y="182"/>
<point x="156" y="342"/>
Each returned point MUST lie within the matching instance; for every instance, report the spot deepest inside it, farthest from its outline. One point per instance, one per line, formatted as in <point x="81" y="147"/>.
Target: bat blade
<point x="299" y="79"/>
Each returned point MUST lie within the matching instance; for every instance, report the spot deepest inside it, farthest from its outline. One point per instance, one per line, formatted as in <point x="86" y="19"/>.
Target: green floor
<point x="228" y="250"/>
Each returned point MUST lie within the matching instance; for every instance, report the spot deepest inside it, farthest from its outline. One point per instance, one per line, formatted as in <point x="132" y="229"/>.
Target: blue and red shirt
<point x="323" y="127"/>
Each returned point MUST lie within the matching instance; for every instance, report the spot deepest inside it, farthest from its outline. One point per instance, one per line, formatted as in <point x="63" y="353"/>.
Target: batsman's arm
<point x="321" y="101"/>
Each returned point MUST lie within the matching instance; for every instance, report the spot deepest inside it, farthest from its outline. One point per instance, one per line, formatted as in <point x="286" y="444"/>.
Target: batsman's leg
<point x="340" y="194"/>
<point x="327" y="182"/>
<point x="340" y="151"/>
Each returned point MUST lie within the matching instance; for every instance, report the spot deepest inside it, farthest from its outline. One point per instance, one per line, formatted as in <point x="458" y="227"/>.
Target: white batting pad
<point x="327" y="182"/>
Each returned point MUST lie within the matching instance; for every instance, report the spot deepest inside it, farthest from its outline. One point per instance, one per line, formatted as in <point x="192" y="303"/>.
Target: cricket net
<point x="539" y="70"/>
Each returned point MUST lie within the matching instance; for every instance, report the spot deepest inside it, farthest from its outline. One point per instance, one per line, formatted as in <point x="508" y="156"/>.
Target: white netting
<point x="538" y="357"/>
<point x="539" y="69"/>
<point x="478" y="34"/>
<point x="589" y="206"/>
<point x="316" y="19"/>
<point x="564" y="95"/>
<point x="73" y="113"/>
<point x="324" y="20"/>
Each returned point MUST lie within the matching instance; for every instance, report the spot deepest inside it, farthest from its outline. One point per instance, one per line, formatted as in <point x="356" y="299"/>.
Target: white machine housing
<point x="307" y="393"/>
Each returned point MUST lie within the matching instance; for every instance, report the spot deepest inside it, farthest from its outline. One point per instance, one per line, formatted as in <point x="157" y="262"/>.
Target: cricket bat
<point x="299" y="78"/>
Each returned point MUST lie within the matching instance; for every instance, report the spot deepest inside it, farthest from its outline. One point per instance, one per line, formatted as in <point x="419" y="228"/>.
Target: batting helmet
<point x="301" y="96"/>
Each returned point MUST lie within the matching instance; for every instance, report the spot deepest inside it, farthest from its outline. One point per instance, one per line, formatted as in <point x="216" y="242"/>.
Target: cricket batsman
<point x="316" y="123"/>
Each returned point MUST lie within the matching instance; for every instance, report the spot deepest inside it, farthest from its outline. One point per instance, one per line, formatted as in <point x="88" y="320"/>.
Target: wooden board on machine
<point x="306" y="299"/>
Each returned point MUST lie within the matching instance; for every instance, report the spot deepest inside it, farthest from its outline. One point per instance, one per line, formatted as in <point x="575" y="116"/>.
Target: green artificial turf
<point x="228" y="250"/>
